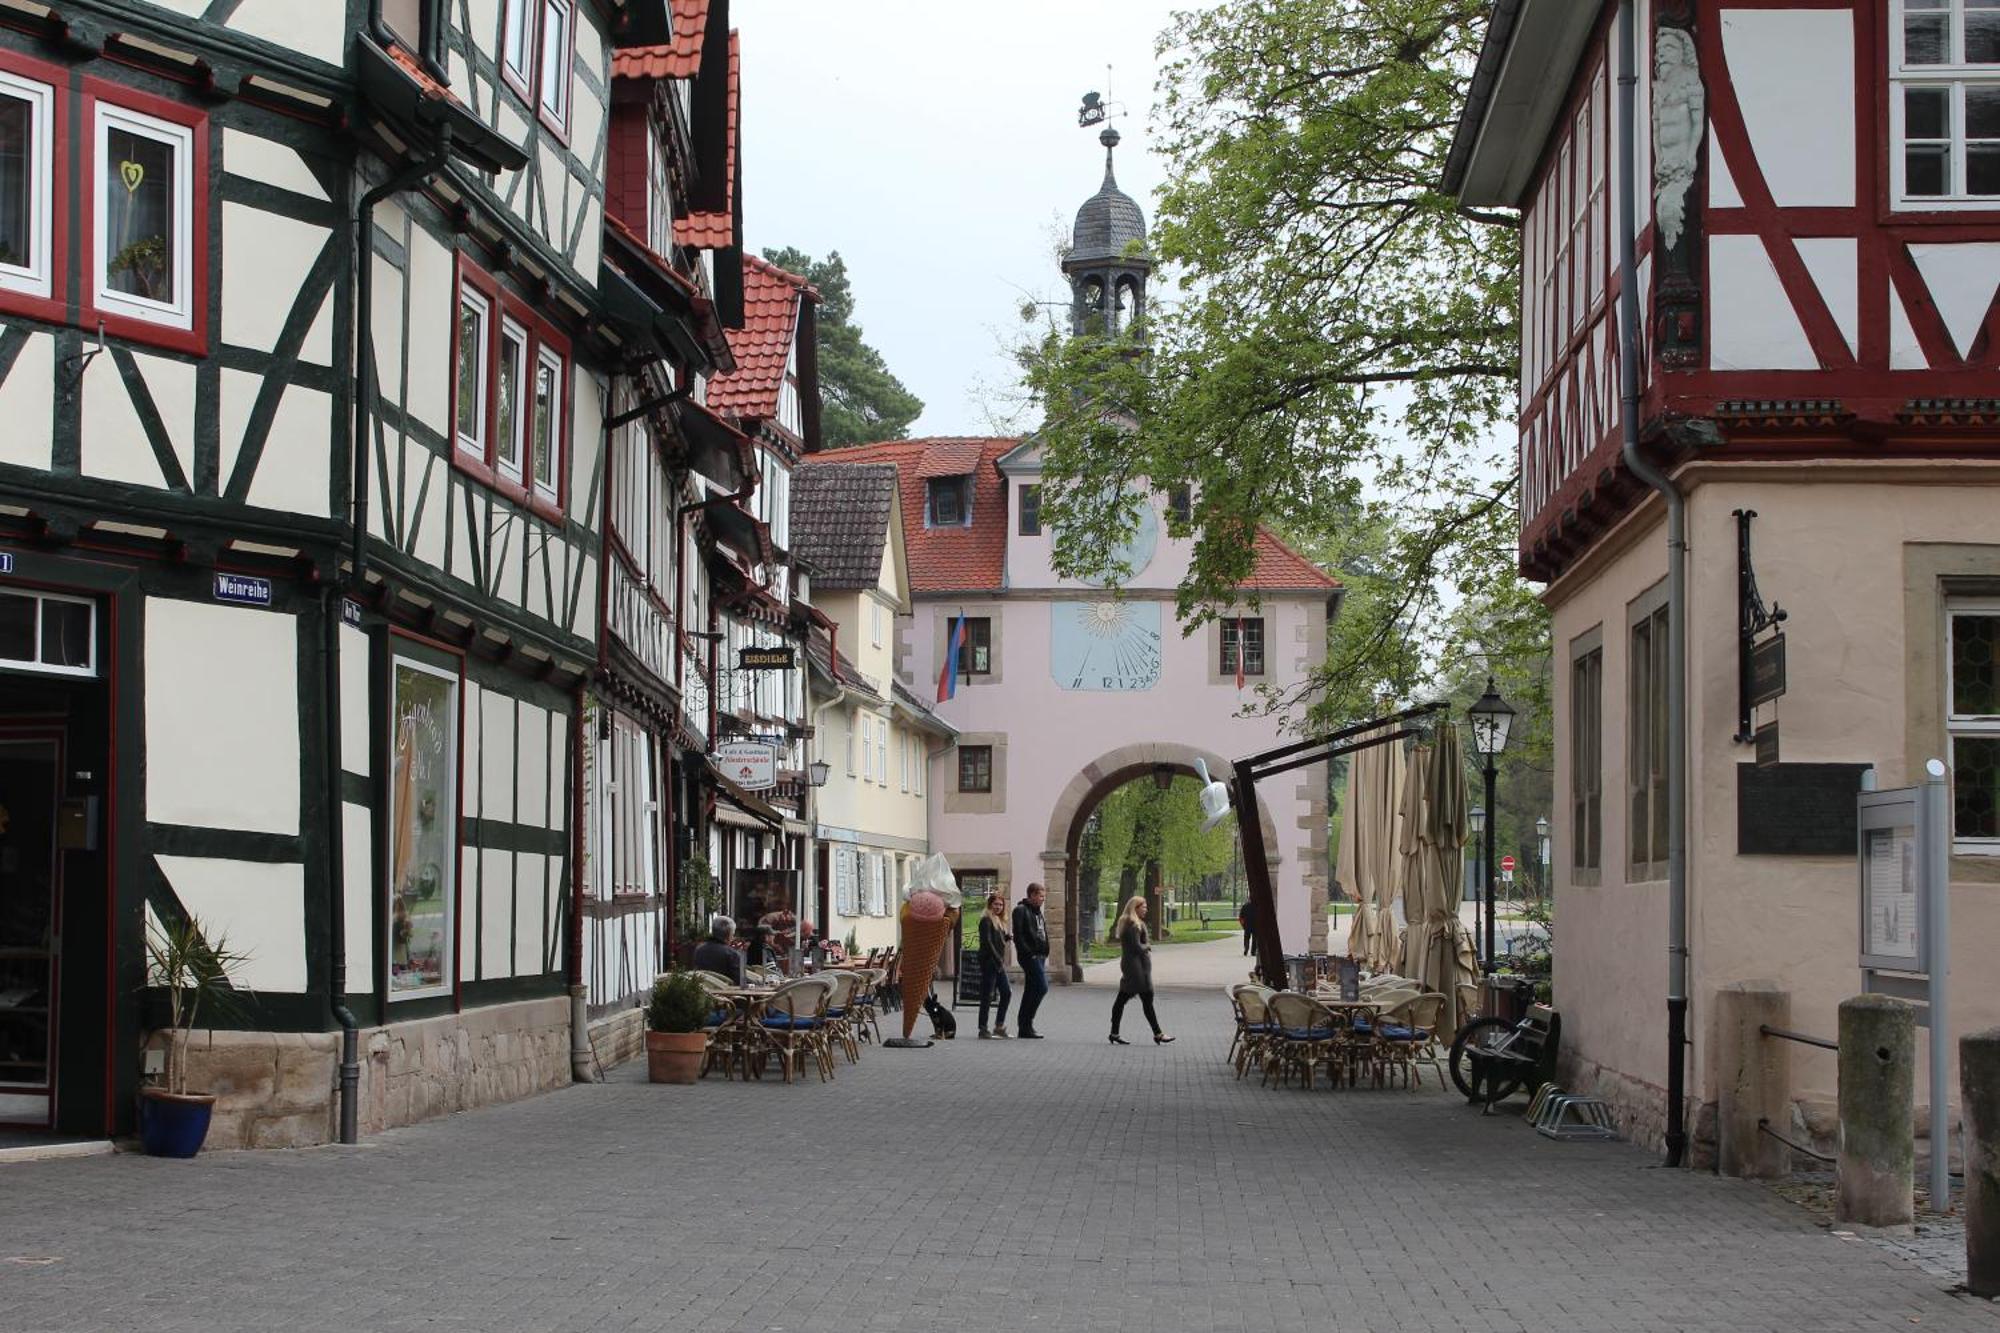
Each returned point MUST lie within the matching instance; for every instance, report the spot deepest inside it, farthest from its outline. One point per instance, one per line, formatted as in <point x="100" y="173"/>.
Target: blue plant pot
<point x="172" y="1125"/>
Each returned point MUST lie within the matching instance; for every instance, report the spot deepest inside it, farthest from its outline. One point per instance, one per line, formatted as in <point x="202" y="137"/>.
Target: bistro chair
<point x="840" y="1013"/>
<point x="792" y="1024"/>
<point x="1253" y="1024"/>
<point x="1407" y="1037"/>
<point x="1303" y="1035"/>
<point x="867" y="989"/>
<point x="888" y="989"/>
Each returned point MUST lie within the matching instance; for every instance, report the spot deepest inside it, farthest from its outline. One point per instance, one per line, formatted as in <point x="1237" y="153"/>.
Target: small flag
<point x="948" y="678"/>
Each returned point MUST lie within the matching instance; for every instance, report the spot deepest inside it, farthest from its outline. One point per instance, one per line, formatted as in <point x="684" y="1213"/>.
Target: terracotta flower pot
<point x="675" y="1057"/>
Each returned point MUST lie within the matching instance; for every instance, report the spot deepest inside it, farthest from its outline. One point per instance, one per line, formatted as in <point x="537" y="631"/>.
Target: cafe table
<point x="745" y="1000"/>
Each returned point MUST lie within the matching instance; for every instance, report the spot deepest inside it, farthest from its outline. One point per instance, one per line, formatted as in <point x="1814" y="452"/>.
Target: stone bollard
<point x="1752" y="1075"/>
<point x="1878" y="1152"/>
<point x="1979" y="1092"/>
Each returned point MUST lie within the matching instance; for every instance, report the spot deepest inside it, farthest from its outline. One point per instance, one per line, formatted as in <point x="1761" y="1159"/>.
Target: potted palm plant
<point x="190" y="966"/>
<point x="675" y="1042"/>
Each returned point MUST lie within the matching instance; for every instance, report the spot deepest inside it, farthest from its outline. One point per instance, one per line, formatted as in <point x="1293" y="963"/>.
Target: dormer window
<point x="537" y="41"/>
<point x="949" y="502"/>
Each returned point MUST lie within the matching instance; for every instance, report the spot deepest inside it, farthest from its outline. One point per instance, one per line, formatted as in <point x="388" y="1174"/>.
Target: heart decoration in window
<point x="132" y="173"/>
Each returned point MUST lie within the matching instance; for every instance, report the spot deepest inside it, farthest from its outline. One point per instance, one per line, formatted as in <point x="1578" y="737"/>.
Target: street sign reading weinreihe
<point x="763" y="659"/>
<point x="243" y="589"/>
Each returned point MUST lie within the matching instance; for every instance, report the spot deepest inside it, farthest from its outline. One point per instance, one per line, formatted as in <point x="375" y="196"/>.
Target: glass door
<point x="30" y="770"/>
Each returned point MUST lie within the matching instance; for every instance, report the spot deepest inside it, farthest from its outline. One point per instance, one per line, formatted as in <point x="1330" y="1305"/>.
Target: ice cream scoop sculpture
<point x="927" y="923"/>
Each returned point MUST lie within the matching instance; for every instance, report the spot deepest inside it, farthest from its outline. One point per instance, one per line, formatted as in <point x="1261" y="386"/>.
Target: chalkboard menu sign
<point x="1796" y="809"/>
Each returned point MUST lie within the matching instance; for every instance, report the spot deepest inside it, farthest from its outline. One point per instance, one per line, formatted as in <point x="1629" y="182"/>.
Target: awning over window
<point x="399" y="87"/>
<point x="649" y="331"/>
<point x="715" y="449"/>
<point x="736" y="530"/>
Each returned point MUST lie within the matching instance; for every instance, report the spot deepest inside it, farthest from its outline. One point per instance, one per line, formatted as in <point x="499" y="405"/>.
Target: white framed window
<point x="423" y="830"/>
<point x="27" y="116"/>
<point x="1944" y="103"/>
<point x="545" y="433"/>
<point x="1972" y="723"/>
<point x="878" y="889"/>
<point x="47" y="633"/>
<point x="903" y="759"/>
<point x="918" y="763"/>
<point x="469" y="383"/>
<point x="882" y="751"/>
<point x="875" y="624"/>
<point x="142" y="220"/>
<point x="509" y="420"/>
<point x="867" y="747"/>
<point x="850" y="747"/>
<point x="659" y="194"/>
<point x="552" y="92"/>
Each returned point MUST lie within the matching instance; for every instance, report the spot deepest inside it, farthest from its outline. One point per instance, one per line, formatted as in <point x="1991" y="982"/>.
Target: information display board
<point x="1895" y="882"/>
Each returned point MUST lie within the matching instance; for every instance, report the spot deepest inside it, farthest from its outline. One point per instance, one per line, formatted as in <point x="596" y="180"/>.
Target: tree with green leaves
<point x="860" y="401"/>
<point x="1339" y="360"/>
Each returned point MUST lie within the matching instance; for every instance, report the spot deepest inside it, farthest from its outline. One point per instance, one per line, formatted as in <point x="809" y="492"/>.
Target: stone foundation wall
<point x="616" y="1038"/>
<point x="1639" y="1106"/>
<point x="281" y="1089"/>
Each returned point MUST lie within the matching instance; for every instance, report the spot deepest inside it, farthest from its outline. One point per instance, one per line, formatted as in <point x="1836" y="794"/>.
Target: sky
<point x="934" y="144"/>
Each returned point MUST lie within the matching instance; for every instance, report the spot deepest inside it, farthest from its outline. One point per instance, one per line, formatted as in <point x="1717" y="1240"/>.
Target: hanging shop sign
<point x="1767" y="745"/>
<point x="751" y="765"/>
<point x="243" y="589"/>
<point x="1760" y="664"/>
<point x="764" y="659"/>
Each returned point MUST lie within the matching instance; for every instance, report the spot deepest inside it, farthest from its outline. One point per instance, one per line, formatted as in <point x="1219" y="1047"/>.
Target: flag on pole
<point x="948" y="678"/>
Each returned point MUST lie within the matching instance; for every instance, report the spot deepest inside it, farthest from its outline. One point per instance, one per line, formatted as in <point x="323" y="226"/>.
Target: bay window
<point x="1944" y="102"/>
<point x="510" y="393"/>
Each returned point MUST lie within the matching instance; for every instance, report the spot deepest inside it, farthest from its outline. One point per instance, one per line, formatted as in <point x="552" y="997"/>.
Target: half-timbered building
<point x="316" y="587"/>
<point x="1816" y="225"/>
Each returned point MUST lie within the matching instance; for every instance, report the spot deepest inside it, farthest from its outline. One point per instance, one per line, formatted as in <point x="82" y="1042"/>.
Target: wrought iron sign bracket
<point x="1753" y="618"/>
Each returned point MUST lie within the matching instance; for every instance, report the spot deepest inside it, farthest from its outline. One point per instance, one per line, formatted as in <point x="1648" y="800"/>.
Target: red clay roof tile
<point x="679" y="59"/>
<point x="974" y="558"/>
<point x="763" y="346"/>
<point x="717" y="230"/>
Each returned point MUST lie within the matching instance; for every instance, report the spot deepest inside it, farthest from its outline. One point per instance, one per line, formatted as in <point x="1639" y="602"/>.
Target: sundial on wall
<point x="1107" y="645"/>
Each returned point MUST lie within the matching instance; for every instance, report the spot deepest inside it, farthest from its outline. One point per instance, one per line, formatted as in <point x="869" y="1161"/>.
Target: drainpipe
<point x="1642" y="468"/>
<point x="410" y="173"/>
<point x="582" y="1058"/>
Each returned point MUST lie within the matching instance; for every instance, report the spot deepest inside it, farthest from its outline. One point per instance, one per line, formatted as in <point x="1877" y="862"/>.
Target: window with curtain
<point x="1646" y="745"/>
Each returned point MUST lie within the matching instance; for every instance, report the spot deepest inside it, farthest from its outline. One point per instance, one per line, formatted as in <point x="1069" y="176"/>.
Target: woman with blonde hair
<point x="1135" y="969"/>
<point x="993" y="964"/>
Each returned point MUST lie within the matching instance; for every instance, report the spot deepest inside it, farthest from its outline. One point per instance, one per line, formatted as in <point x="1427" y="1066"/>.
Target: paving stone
<point x="977" y="1186"/>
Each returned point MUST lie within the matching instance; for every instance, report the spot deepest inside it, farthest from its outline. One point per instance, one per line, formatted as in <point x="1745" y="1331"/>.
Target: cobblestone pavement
<point x="974" y="1187"/>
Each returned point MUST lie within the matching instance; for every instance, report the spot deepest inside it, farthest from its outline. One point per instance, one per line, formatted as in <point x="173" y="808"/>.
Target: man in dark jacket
<point x="1031" y="947"/>
<point x="714" y="954"/>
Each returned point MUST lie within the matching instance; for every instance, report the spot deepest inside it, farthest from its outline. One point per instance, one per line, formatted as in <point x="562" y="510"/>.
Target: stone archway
<point x="1096" y="781"/>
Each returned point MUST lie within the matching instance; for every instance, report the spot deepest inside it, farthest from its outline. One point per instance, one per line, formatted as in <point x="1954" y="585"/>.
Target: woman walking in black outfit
<point x="1135" y="969"/>
<point x="993" y="964"/>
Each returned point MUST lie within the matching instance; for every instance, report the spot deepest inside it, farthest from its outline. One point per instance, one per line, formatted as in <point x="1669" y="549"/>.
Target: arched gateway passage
<point x="1073" y="808"/>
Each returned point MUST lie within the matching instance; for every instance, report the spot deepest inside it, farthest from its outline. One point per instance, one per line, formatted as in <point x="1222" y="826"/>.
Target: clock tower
<point x="1107" y="265"/>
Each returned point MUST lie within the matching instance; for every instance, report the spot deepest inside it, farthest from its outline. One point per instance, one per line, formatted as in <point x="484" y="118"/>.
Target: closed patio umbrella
<point x="1370" y="865"/>
<point x="1437" y="951"/>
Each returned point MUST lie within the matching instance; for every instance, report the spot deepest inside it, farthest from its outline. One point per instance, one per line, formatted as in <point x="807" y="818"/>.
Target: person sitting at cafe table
<point x="714" y="954"/>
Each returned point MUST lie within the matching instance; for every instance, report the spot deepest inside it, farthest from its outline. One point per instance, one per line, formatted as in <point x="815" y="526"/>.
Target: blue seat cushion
<point x="1259" y="1028"/>
<point x="786" y="1022"/>
<point x="1397" y="1032"/>
<point x="837" y="1013"/>
<point x="1309" y="1034"/>
<point x="717" y="1017"/>
<point x="1362" y="1027"/>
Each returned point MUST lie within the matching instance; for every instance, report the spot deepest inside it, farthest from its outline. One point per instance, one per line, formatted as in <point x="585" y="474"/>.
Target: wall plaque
<point x="1796" y="809"/>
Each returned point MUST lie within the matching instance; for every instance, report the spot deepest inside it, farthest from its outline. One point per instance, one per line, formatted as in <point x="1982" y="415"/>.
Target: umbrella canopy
<point x="1437" y="950"/>
<point x="1369" y="865"/>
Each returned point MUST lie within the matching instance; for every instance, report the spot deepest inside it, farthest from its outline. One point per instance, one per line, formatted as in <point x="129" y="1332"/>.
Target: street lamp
<point x="817" y="771"/>
<point x="1542" y="833"/>
<point x="1491" y="718"/>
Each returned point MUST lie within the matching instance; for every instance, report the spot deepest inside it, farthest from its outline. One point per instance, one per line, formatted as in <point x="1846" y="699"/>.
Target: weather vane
<point x="1097" y="109"/>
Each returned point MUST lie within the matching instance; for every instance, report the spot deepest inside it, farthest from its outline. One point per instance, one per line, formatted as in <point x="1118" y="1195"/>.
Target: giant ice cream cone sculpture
<point x="927" y="924"/>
